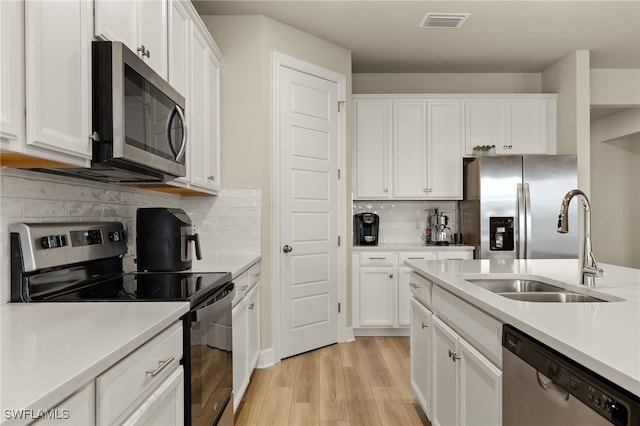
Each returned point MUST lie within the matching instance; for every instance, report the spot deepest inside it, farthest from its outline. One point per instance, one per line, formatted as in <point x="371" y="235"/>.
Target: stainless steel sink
<point x="532" y="290"/>
<point x="515" y="285"/>
<point x="559" y="297"/>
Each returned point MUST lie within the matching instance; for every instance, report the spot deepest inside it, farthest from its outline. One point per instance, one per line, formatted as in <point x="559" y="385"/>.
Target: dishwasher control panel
<point x="615" y="404"/>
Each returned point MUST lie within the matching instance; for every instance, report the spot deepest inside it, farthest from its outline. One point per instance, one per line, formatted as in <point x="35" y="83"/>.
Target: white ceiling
<point x="499" y="36"/>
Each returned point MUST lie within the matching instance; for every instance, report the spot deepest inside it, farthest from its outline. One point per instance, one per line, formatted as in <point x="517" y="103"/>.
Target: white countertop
<point x="604" y="337"/>
<point x="410" y="246"/>
<point x="234" y="263"/>
<point x="50" y="350"/>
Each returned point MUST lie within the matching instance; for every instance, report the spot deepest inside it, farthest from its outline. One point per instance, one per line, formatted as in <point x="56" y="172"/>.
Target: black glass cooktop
<point x="144" y="286"/>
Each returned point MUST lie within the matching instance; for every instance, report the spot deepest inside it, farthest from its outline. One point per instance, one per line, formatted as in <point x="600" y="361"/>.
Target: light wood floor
<point x="366" y="382"/>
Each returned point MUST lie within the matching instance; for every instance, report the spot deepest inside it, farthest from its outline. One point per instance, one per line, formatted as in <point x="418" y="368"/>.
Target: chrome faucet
<point x="590" y="268"/>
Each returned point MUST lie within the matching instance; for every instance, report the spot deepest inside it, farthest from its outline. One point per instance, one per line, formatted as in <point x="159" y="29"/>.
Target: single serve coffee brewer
<point x="365" y="229"/>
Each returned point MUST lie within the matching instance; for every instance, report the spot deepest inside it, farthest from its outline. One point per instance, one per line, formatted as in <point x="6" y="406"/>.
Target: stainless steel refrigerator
<point x="511" y="206"/>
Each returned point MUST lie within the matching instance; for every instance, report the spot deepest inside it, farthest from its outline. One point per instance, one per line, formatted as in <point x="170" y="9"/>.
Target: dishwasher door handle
<point x="555" y="392"/>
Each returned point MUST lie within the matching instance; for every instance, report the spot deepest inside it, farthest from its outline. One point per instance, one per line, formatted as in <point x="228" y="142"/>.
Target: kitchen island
<point x="602" y="336"/>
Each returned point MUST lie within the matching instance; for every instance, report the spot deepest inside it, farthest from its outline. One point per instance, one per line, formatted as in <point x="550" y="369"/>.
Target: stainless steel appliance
<point x="365" y="229"/>
<point x="540" y="386"/>
<point x="82" y="262"/>
<point x="510" y="206"/>
<point x="440" y="231"/>
<point x="140" y="130"/>
<point x="163" y="240"/>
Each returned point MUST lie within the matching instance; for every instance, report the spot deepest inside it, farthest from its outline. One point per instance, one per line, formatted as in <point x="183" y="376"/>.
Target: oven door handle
<point x="213" y="306"/>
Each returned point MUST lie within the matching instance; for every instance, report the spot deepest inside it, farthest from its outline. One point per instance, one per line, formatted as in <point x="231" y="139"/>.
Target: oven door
<point x="210" y="355"/>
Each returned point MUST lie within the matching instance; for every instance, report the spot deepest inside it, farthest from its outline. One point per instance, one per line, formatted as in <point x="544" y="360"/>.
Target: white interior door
<point x="309" y="162"/>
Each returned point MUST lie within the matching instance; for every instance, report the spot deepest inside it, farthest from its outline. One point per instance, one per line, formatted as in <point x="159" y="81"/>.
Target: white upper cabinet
<point x="12" y="72"/>
<point x="58" y="79"/>
<point x="524" y="124"/>
<point x="444" y="127"/>
<point x="141" y="25"/>
<point x="408" y="149"/>
<point x="372" y="148"/>
<point x="194" y="70"/>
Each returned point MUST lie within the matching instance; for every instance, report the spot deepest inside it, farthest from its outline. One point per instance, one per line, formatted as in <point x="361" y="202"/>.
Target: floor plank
<point x="366" y="382"/>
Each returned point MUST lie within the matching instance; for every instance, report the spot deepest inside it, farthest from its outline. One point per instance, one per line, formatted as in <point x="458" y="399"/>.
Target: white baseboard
<point x="266" y="358"/>
<point x="381" y="331"/>
<point x="348" y="335"/>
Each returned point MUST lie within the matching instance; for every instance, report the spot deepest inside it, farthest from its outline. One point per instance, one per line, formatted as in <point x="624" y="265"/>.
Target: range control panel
<point x="48" y="245"/>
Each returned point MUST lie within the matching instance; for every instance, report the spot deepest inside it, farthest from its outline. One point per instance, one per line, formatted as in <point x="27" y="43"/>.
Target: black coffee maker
<point x="365" y="229"/>
<point x="163" y="240"/>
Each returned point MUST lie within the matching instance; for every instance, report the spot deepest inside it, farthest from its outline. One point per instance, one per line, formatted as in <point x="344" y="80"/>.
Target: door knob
<point x="287" y="248"/>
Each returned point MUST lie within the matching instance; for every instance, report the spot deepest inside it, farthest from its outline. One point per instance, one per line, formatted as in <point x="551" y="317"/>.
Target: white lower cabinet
<point x="381" y="288"/>
<point x="455" y="381"/>
<point x="420" y="354"/>
<point x="246" y="331"/>
<point x="144" y="385"/>
<point x="467" y="387"/>
<point x="78" y="409"/>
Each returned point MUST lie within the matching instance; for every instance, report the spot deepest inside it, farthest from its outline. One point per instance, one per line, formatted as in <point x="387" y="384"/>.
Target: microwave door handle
<point x="183" y="144"/>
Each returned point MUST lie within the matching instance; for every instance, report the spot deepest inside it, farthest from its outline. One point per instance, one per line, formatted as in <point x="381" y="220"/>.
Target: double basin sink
<point x="534" y="290"/>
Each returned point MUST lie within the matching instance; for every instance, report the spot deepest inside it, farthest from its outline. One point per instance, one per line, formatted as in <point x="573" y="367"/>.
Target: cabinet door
<point x="11" y="72"/>
<point x="254" y="328"/>
<point x="409" y="149"/>
<point x="377" y="297"/>
<point x="445" y="375"/>
<point x="240" y="318"/>
<point x="445" y="150"/>
<point x="372" y="149"/>
<point x="481" y="388"/>
<point x="58" y="77"/>
<point x="420" y="356"/>
<point x="116" y="20"/>
<point x="404" y="296"/>
<point x="165" y="406"/>
<point x="79" y="409"/>
<point x="527" y="126"/>
<point x="485" y="124"/>
<point x="198" y="113"/>
<point x="152" y="33"/>
<point x="213" y="121"/>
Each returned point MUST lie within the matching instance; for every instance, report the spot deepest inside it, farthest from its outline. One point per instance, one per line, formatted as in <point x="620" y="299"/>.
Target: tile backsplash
<point x="230" y="220"/>
<point x="405" y="221"/>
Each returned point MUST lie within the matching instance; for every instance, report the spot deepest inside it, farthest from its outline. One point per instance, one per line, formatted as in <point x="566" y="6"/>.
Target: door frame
<point x="282" y="60"/>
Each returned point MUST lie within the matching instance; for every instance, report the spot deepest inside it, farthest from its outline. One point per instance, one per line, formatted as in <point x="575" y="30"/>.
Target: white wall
<point x="569" y="78"/>
<point x="446" y="83"/>
<point x="247" y="44"/>
<point x="615" y="188"/>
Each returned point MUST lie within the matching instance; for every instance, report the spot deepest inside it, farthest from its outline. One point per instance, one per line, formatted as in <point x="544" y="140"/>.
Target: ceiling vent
<point x="443" y="20"/>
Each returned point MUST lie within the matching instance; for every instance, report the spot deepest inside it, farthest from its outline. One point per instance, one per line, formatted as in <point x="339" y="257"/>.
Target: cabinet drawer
<point x="421" y="288"/>
<point x="377" y="258"/>
<point x="483" y="331"/>
<point x="455" y="254"/>
<point x="253" y="274"/>
<point x="425" y="255"/>
<point x="121" y="388"/>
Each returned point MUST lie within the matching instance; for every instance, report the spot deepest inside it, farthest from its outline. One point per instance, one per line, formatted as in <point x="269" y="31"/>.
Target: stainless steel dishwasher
<point x="540" y="386"/>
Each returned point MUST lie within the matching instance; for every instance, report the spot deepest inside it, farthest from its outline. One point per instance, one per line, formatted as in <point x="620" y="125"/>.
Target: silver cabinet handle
<point x="211" y="178"/>
<point x="287" y="248"/>
<point x="416" y="258"/>
<point x="251" y="306"/>
<point x="143" y="51"/>
<point x="390" y="275"/>
<point x="162" y="366"/>
<point x="423" y="325"/>
<point x="413" y="285"/>
<point x="454" y="356"/>
<point x="386" y="190"/>
<point x="94" y="137"/>
<point x="377" y="258"/>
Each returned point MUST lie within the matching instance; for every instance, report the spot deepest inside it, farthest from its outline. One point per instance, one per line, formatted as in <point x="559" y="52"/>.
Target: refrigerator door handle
<point x="527" y="231"/>
<point x="521" y="244"/>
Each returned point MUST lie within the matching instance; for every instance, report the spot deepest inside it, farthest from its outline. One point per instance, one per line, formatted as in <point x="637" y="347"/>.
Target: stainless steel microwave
<point x="139" y="126"/>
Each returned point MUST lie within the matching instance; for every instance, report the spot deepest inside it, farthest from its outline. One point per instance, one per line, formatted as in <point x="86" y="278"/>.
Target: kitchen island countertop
<point x="50" y="350"/>
<point x="604" y="337"/>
